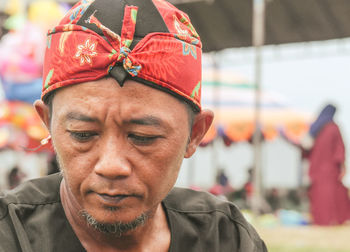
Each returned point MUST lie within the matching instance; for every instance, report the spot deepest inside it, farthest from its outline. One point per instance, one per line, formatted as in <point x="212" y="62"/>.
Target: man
<point x="121" y="99"/>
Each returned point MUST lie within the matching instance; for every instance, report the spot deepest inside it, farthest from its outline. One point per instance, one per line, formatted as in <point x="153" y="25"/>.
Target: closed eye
<point x="82" y="136"/>
<point x="142" y="140"/>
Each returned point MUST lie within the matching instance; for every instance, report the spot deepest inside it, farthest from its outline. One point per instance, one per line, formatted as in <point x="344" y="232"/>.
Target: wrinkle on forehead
<point x="147" y="120"/>
<point x="134" y="103"/>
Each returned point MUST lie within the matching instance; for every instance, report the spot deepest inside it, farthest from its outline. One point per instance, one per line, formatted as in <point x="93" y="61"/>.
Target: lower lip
<point x="112" y="199"/>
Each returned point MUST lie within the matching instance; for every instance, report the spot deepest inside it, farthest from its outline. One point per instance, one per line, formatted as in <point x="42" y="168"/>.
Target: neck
<point x="152" y="234"/>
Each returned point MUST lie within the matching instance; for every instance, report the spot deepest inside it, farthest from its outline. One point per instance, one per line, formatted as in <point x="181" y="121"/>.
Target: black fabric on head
<point x="119" y="74"/>
<point x="111" y="13"/>
<point x="148" y="20"/>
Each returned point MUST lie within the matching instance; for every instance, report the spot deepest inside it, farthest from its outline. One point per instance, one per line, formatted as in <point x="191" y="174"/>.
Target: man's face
<point x="120" y="148"/>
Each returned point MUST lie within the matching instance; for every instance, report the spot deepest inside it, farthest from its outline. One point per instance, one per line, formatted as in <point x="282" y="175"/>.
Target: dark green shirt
<point x="32" y="219"/>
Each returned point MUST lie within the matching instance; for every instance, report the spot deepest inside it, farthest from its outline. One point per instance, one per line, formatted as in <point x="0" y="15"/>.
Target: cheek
<point x="65" y="154"/>
<point x="73" y="164"/>
<point x="165" y="163"/>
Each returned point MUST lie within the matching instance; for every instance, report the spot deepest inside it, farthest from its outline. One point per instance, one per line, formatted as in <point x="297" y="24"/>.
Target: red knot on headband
<point x="149" y="41"/>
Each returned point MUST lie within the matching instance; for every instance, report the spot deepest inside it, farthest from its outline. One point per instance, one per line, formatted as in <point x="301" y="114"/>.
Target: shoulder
<point x="331" y="126"/>
<point x="32" y="218"/>
<point x="211" y="217"/>
<point x="330" y="131"/>
<point x="33" y="192"/>
<point x="187" y="200"/>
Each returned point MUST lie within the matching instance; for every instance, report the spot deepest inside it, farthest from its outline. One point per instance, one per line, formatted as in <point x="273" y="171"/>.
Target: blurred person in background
<point x="329" y="201"/>
<point x="3" y="17"/>
<point x="243" y="197"/>
<point x="121" y="99"/>
<point x="222" y="188"/>
<point x="15" y="177"/>
<point x="53" y="166"/>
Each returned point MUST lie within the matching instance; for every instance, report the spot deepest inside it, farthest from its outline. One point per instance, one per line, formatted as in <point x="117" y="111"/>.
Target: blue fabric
<point x="324" y="117"/>
<point x="27" y="92"/>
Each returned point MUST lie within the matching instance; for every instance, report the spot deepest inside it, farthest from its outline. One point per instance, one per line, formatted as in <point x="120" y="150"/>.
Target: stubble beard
<point x="117" y="228"/>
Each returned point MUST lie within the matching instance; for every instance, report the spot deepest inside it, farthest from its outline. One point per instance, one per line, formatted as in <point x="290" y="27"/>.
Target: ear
<point x="43" y="111"/>
<point x="201" y="125"/>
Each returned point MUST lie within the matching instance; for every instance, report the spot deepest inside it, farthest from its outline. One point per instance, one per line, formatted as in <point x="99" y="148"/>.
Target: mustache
<point x="114" y="187"/>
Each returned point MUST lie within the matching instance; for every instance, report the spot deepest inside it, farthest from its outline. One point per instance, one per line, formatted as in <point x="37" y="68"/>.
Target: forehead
<point x="105" y="95"/>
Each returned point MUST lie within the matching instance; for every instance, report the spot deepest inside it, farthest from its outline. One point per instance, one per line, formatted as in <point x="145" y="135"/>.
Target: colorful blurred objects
<point x="13" y="7"/>
<point x="292" y="218"/>
<point x="15" y="22"/>
<point x="22" y="53"/>
<point x="20" y="126"/>
<point x="284" y="217"/>
<point x="22" y="49"/>
<point x="45" y="13"/>
<point x="234" y="108"/>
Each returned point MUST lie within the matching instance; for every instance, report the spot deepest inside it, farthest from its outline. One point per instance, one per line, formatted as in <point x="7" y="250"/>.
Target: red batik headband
<point x="170" y="61"/>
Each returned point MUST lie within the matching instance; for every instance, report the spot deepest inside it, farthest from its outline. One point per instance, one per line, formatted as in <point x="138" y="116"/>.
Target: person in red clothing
<point x="329" y="201"/>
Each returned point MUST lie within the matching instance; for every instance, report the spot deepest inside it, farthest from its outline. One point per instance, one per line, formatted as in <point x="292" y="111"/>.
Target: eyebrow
<point x="80" y="117"/>
<point x="147" y="120"/>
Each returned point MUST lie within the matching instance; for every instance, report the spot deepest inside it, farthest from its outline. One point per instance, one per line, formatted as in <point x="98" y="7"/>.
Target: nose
<point x="113" y="162"/>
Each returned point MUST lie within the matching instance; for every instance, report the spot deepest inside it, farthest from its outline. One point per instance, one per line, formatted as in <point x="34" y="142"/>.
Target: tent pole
<point x="258" y="42"/>
<point x="216" y="99"/>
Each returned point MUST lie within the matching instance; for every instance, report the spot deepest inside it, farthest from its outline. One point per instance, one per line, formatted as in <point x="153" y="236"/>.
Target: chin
<point x="110" y="222"/>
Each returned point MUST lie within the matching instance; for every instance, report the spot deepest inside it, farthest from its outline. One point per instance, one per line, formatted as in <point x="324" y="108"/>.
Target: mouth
<point x="113" y="199"/>
<point x="116" y="199"/>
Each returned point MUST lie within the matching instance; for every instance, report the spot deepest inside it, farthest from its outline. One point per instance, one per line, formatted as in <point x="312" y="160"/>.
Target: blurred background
<point x="269" y="69"/>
